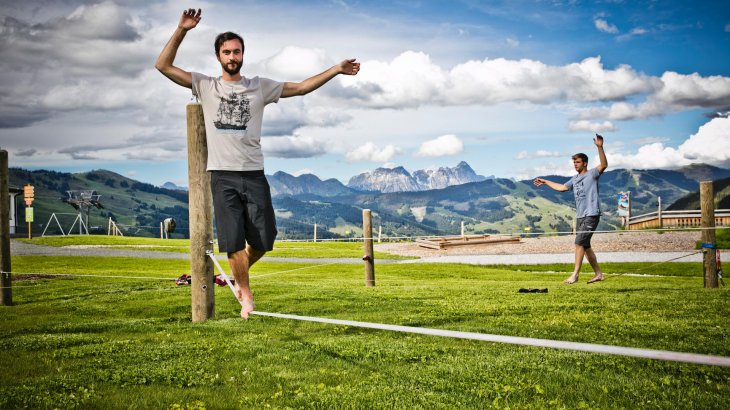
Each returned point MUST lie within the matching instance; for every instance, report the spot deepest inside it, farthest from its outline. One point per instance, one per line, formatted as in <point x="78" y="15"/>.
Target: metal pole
<point x="201" y="217"/>
<point x="6" y="293"/>
<point x="369" y="258"/>
<point x="707" y="206"/>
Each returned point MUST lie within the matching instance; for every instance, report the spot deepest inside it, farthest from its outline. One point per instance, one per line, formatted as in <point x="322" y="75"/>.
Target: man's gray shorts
<point x="243" y="210"/>
<point x="585" y="228"/>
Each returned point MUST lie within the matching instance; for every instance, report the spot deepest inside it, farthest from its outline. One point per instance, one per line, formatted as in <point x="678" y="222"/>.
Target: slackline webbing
<point x="525" y="341"/>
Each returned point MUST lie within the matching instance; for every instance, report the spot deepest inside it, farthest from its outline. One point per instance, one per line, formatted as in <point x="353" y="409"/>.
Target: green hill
<point x="137" y="208"/>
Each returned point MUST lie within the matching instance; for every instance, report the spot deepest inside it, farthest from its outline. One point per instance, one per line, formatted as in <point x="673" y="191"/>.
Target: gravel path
<point x="629" y="246"/>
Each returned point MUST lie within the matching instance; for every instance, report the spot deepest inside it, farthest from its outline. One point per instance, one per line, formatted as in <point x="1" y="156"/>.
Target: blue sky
<point x="512" y="87"/>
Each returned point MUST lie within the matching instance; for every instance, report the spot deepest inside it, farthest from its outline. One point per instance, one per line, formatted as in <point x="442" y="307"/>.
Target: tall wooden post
<point x="6" y="293"/>
<point x="200" y="210"/>
<point x="369" y="258"/>
<point x="707" y="206"/>
<point x="659" y="213"/>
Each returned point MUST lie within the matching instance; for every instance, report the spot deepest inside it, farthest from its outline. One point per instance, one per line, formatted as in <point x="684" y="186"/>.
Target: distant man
<point x="588" y="211"/>
<point x="233" y="107"/>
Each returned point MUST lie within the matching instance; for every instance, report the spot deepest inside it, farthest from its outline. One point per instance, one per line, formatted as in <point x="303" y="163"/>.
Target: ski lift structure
<point x="82" y="201"/>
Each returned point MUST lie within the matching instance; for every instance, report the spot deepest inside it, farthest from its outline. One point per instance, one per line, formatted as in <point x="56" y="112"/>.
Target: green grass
<point x="282" y="249"/>
<point x="95" y="342"/>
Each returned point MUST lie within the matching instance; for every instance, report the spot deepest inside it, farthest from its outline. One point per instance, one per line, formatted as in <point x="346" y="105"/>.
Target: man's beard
<point x="232" y="71"/>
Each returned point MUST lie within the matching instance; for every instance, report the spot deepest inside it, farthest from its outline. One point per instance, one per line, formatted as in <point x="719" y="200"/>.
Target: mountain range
<point x="488" y="205"/>
<point x="399" y="180"/>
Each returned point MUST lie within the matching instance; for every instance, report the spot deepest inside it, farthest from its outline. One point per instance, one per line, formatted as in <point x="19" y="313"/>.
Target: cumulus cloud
<point x="604" y="26"/>
<point x="674" y="92"/>
<point x="522" y="155"/>
<point x="296" y="146"/>
<point x="588" y="126"/>
<point x="710" y="145"/>
<point x="373" y="153"/>
<point x="442" y="146"/>
<point x="412" y="79"/>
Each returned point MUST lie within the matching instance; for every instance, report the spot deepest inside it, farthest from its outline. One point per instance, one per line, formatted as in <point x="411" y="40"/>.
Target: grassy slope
<point x="110" y="343"/>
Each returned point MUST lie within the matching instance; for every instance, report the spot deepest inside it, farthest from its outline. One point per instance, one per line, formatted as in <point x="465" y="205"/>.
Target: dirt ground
<point x="624" y="241"/>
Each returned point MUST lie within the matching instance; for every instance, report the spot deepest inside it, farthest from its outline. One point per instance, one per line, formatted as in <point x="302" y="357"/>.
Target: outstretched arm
<point x="551" y="184"/>
<point x="601" y="155"/>
<point x="189" y="20"/>
<point x="347" y="67"/>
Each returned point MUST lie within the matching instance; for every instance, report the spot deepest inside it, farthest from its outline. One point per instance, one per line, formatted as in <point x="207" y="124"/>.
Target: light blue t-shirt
<point x="585" y="189"/>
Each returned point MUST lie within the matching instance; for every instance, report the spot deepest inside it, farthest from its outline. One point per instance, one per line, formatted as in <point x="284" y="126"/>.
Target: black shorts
<point x="585" y="228"/>
<point x="243" y="210"/>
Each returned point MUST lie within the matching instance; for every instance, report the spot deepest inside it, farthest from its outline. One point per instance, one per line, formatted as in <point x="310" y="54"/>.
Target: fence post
<point x="369" y="258"/>
<point x="6" y="293"/>
<point x="707" y="206"/>
<point x="315" y="232"/>
<point x="201" y="217"/>
<point x="659" y="213"/>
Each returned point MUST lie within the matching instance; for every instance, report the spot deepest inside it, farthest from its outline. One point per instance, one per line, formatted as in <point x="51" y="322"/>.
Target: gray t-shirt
<point x="585" y="189"/>
<point x="233" y="112"/>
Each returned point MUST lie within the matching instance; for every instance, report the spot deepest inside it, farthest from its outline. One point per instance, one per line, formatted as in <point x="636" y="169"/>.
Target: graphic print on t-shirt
<point x="579" y="190"/>
<point x="234" y="112"/>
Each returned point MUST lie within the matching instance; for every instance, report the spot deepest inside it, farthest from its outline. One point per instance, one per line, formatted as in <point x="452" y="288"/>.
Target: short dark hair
<point x="580" y="155"/>
<point x="223" y="37"/>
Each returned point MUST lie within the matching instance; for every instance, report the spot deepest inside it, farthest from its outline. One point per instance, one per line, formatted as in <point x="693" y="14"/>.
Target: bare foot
<point x="571" y="280"/>
<point x="597" y="278"/>
<point x="247" y="304"/>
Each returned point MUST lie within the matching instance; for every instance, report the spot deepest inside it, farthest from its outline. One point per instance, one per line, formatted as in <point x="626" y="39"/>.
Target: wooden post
<point x="201" y="217"/>
<point x="659" y="212"/>
<point x="462" y="229"/>
<point x="6" y="293"/>
<point x="369" y="258"/>
<point x="315" y="232"/>
<point x="380" y="233"/>
<point x="707" y="206"/>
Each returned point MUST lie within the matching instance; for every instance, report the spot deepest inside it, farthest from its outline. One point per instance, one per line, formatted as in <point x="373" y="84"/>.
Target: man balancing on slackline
<point x="588" y="210"/>
<point x="233" y="107"/>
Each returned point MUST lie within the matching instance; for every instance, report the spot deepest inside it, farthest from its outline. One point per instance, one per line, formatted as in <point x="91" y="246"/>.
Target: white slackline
<point x="526" y="341"/>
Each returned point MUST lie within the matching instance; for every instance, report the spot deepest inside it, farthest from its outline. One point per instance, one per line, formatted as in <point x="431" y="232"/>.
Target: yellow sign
<point x="28" y="214"/>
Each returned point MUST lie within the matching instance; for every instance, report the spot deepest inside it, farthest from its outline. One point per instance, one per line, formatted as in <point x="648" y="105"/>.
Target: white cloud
<point x="442" y="146"/>
<point x="588" y="126"/>
<point x="512" y="42"/>
<point x="303" y="172"/>
<point x="412" y="79"/>
<point x="710" y="145"/>
<point x="296" y="146"/>
<point x="674" y="92"/>
<point x="522" y="155"/>
<point x="604" y="26"/>
<point x="371" y="152"/>
<point x="547" y="154"/>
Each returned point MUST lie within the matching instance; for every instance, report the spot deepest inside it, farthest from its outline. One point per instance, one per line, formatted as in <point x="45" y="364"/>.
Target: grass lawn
<point x="282" y="249"/>
<point x="94" y="342"/>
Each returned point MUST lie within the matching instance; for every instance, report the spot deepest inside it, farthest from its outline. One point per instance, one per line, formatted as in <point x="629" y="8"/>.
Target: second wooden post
<point x="369" y="258"/>
<point x="707" y="206"/>
<point x="200" y="208"/>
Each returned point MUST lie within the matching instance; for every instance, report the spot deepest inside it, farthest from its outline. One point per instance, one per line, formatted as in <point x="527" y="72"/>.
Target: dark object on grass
<point x="531" y="290"/>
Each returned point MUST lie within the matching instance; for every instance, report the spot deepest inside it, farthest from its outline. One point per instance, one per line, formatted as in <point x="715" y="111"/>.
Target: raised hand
<point x="190" y="18"/>
<point x="349" y="67"/>
<point x="598" y="140"/>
